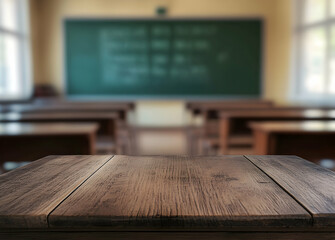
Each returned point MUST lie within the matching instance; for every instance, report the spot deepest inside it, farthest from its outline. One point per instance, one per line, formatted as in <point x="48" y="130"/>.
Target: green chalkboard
<point x="163" y="57"/>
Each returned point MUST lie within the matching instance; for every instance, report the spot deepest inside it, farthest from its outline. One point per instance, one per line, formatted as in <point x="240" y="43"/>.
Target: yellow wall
<point x="47" y="18"/>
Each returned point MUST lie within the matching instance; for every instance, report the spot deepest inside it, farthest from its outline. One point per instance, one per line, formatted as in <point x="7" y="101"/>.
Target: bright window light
<point x="315" y="51"/>
<point x="15" y="64"/>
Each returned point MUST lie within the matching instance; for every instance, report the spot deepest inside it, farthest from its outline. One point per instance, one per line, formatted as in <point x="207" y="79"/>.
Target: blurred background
<point x="157" y="77"/>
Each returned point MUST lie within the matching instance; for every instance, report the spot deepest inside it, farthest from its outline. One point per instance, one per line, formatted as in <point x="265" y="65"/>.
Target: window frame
<point x="297" y="92"/>
<point x="22" y="34"/>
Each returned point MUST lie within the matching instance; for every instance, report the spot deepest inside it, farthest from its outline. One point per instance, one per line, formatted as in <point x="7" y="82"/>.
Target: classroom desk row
<point x="299" y="130"/>
<point x="210" y="112"/>
<point x="25" y="142"/>
<point x="235" y="130"/>
<point x="107" y="120"/>
<point x="47" y="105"/>
<point x="307" y="139"/>
<point x="46" y="127"/>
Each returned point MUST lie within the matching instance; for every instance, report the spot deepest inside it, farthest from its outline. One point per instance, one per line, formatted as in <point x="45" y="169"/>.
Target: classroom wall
<point x="46" y="21"/>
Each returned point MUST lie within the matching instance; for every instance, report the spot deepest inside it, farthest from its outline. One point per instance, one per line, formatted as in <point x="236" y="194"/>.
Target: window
<point x="315" y="50"/>
<point x="15" y="69"/>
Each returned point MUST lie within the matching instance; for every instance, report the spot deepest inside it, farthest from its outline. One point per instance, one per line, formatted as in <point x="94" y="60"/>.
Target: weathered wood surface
<point x="150" y="193"/>
<point x="28" y="194"/>
<point x="310" y="184"/>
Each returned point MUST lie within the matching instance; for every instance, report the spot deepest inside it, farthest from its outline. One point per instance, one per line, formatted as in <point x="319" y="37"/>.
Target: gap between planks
<point x="76" y="189"/>
<point x="291" y="195"/>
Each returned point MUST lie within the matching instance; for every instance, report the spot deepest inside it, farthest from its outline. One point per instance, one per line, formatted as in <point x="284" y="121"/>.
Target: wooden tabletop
<point x="295" y="127"/>
<point x="38" y="129"/>
<point x="166" y="193"/>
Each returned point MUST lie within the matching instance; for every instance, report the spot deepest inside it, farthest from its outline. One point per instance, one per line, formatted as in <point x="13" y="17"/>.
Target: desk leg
<point x="262" y="143"/>
<point x="224" y="135"/>
<point x="92" y="143"/>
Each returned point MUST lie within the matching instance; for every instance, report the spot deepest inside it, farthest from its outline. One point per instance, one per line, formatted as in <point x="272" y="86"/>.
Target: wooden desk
<point x="62" y="105"/>
<point x="107" y="121"/>
<point x="310" y="140"/>
<point x="111" y="130"/>
<point x="216" y="106"/>
<point x="21" y="142"/>
<point x="122" y="197"/>
<point x="235" y="124"/>
<point x="209" y="111"/>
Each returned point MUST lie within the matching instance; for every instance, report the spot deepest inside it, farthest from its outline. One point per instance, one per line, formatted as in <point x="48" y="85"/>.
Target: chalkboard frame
<point x="164" y="97"/>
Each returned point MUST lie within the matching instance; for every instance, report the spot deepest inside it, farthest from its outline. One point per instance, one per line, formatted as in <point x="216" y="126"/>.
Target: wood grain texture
<point x="155" y="193"/>
<point x="28" y="194"/>
<point x="310" y="184"/>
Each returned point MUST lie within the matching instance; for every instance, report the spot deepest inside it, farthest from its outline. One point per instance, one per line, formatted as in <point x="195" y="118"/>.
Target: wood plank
<point x="28" y="194"/>
<point x="313" y="186"/>
<point x="179" y="192"/>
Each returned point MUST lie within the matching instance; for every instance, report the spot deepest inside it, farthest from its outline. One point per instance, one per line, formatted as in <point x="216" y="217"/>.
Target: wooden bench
<point x="176" y="197"/>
